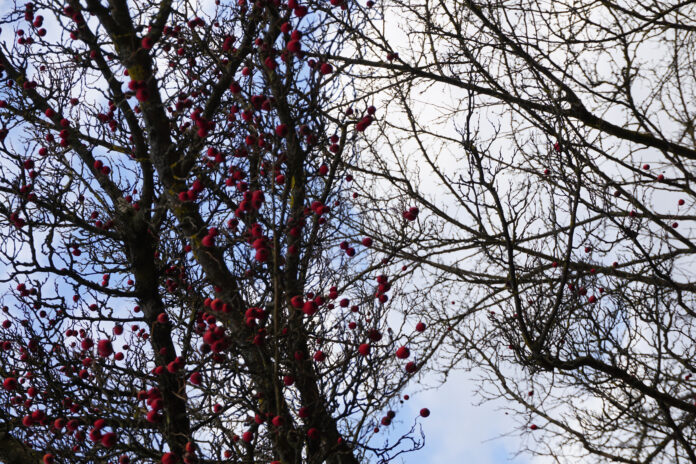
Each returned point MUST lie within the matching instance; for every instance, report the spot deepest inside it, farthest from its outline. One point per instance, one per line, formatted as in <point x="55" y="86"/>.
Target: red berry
<point x="170" y="458"/>
<point x="109" y="440"/>
<point x="325" y="68"/>
<point x="313" y="433"/>
<point x="196" y="378"/>
<point x="403" y="353"/>
<point x="10" y="384"/>
<point x="104" y="348"/>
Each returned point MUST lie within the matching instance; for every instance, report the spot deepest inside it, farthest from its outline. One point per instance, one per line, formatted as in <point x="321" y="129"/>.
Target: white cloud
<point x="458" y="430"/>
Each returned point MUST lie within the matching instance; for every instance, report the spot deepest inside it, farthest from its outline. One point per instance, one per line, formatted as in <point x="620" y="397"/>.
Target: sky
<point x="459" y="431"/>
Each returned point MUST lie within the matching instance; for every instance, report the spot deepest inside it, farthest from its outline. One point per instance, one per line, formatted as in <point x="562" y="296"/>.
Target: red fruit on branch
<point x="403" y="353"/>
<point x="142" y="95"/>
<point x="147" y="42"/>
<point x="262" y="255"/>
<point x="297" y="301"/>
<point x="153" y="417"/>
<point x="235" y="88"/>
<point x="109" y="439"/>
<point x="411" y="214"/>
<point x="105" y="348"/>
<point x="374" y="335"/>
<point x="170" y="458"/>
<point x="364" y="123"/>
<point x="325" y="68"/>
<point x="294" y="46"/>
<point x="10" y="384"/>
<point x="309" y="308"/>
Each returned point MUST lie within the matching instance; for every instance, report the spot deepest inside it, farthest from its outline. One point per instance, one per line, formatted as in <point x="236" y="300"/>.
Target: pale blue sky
<point x="457" y="431"/>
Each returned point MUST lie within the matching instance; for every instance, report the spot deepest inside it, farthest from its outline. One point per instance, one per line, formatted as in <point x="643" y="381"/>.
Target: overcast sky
<point x="458" y="431"/>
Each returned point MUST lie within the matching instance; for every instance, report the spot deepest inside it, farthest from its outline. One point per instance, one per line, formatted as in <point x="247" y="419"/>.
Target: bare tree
<point x="549" y="151"/>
